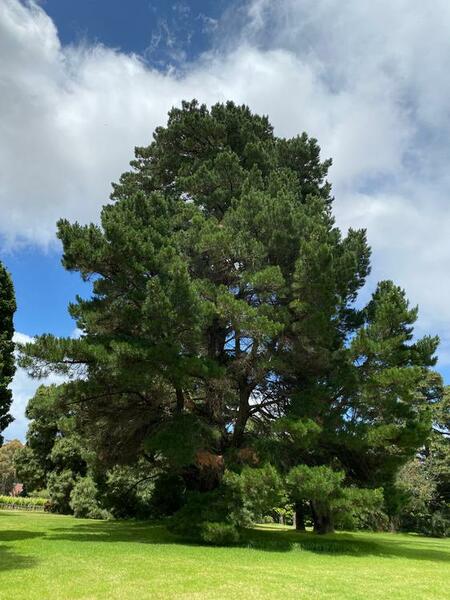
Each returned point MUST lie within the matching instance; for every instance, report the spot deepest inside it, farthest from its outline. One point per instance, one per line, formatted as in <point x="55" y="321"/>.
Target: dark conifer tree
<point x="222" y="329"/>
<point x="7" y="363"/>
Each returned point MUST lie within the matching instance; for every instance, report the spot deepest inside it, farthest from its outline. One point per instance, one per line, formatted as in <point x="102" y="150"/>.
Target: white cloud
<point x="21" y="338"/>
<point x="368" y="79"/>
<point x="23" y="388"/>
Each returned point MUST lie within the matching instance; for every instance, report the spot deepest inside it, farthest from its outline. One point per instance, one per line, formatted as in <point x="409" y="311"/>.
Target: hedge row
<point x="22" y="503"/>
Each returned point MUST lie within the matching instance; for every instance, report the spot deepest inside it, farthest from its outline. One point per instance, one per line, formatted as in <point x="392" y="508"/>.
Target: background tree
<point x="8" y="475"/>
<point x="330" y="500"/>
<point x="7" y="364"/>
<point x="423" y="483"/>
<point x="391" y="407"/>
<point x="322" y="488"/>
<point x="368" y="409"/>
<point x="54" y="455"/>
<point x="56" y="459"/>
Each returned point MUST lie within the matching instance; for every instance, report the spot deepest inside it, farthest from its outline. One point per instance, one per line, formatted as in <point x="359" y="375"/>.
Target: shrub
<point x="26" y="503"/>
<point x="219" y="534"/>
<point x="83" y="499"/>
<point x="59" y="487"/>
<point x="223" y="506"/>
<point x="217" y="516"/>
<point x="39" y="494"/>
<point x="128" y="491"/>
<point x="267" y="519"/>
<point x="440" y="525"/>
<point x="436" y="524"/>
<point x="168" y="496"/>
<point x="360" y="508"/>
<point x="188" y="521"/>
<point x="322" y="487"/>
<point x="204" y="518"/>
<point x="100" y="514"/>
<point x="262" y="490"/>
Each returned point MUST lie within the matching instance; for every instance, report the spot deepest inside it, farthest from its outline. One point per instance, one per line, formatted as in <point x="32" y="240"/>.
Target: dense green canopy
<point x="223" y="328"/>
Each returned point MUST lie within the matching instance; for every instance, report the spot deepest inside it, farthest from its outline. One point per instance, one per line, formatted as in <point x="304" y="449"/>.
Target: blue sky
<point x="82" y="83"/>
<point x="151" y="28"/>
<point x="161" y="32"/>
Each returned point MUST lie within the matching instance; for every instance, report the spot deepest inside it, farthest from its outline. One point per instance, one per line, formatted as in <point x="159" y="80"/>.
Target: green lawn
<point x="46" y="557"/>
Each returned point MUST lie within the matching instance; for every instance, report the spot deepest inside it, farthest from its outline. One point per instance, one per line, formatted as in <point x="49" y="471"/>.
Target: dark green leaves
<point x="7" y="368"/>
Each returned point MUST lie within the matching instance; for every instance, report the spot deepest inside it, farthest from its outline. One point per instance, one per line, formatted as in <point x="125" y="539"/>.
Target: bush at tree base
<point x="84" y="500"/>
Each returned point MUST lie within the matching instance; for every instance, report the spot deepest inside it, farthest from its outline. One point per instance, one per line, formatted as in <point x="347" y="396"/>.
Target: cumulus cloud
<point x="382" y="113"/>
<point x="368" y="79"/>
<point x="23" y="388"/>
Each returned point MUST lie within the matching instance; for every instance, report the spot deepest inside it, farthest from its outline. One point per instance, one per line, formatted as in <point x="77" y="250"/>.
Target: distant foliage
<point x="168" y="495"/>
<point x="25" y="503"/>
<point x="361" y="509"/>
<point x="334" y="504"/>
<point x="84" y="500"/>
<point x="262" y="490"/>
<point x="423" y="484"/>
<point x="60" y="486"/>
<point x="29" y="469"/>
<point x="8" y="473"/>
<point x="241" y="500"/>
<point x="128" y="491"/>
<point x="219" y="534"/>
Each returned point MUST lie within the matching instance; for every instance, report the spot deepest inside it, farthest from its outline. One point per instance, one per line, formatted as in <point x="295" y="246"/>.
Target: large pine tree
<point x="222" y="328"/>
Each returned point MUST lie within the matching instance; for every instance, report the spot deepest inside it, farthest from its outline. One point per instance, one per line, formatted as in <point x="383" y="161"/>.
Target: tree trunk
<point x="243" y="414"/>
<point x="299" y="516"/>
<point x="180" y="399"/>
<point x="323" y="521"/>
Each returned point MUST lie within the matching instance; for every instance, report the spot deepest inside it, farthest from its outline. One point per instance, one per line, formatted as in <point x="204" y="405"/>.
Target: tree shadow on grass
<point x="14" y="535"/>
<point x="116" y="532"/>
<point x="261" y="539"/>
<point x="9" y="558"/>
<point x="345" y="544"/>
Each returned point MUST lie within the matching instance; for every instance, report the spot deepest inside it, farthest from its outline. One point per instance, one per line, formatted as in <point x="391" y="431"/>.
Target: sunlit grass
<point x="46" y="557"/>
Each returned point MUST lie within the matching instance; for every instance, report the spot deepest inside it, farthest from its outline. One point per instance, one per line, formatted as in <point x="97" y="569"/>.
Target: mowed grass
<point x="46" y="557"/>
